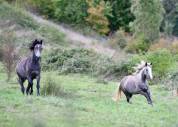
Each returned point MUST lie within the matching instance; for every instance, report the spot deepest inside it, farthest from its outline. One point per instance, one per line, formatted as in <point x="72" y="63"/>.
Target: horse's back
<point x="21" y="67"/>
<point x="128" y="84"/>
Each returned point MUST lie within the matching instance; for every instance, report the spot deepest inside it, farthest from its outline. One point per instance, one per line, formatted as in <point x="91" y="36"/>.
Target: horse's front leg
<point x="21" y="81"/>
<point x="31" y="90"/>
<point x="30" y="85"/>
<point x="38" y="85"/>
<point x="146" y="93"/>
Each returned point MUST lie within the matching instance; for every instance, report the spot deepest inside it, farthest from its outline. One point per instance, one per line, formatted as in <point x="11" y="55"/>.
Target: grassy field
<point x="84" y="103"/>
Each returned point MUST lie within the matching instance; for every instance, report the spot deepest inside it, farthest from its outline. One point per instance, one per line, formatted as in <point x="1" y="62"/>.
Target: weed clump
<point x="52" y="88"/>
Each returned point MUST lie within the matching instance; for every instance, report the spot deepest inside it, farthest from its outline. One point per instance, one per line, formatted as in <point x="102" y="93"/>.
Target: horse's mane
<point x="139" y="67"/>
<point x="35" y="42"/>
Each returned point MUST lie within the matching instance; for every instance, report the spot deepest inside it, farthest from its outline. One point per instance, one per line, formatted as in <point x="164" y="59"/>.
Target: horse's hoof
<point x="150" y="104"/>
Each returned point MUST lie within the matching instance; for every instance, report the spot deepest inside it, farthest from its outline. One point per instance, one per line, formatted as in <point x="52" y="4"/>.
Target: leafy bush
<point x="88" y="62"/>
<point x="138" y="45"/>
<point x="52" y="88"/>
<point x="71" y="11"/>
<point x="70" y="61"/>
<point x="97" y="15"/>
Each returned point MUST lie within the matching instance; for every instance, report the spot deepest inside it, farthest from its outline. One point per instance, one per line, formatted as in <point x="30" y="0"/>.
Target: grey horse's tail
<point x="117" y="95"/>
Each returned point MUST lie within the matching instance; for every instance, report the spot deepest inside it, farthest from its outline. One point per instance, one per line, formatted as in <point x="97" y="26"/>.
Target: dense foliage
<point x="103" y="16"/>
<point x="121" y="15"/>
<point x="88" y="62"/>
<point x="97" y="16"/>
<point x="108" y="16"/>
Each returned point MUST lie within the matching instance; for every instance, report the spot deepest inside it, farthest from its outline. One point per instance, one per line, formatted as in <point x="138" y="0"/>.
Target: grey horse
<point x="136" y="83"/>
<point x="29" y="68"/>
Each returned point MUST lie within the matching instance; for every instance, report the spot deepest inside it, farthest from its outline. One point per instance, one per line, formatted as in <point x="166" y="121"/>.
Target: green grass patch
<point x="89" y="104"/>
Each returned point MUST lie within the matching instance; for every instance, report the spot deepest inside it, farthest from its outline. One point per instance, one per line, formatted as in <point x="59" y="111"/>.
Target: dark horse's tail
<point x="117" y="95"/>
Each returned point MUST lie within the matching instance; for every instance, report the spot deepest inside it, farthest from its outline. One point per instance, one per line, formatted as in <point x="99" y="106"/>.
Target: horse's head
<point x="147" y="71"/>
<point x="36" y="47"/>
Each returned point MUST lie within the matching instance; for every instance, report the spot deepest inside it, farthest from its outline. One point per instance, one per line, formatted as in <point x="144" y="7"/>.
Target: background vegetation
<point x="79" y="77"/>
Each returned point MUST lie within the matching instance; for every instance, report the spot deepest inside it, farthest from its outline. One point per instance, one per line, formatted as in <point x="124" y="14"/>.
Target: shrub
<point x="138" y="45"/>
<point x="162" y="61"/>
<point x="52" y="88"/>
<point x="52" y="34"/>
<point x="119" y="40"/>
<point x="88" y="62"/>
<point x="69" y="60"/>
<point x="97" y="15"/>
<point x="162" y="43"/>
<point x="8" y="50"/>
<point x="170" y="81"/>
<point x="174" y="47"/>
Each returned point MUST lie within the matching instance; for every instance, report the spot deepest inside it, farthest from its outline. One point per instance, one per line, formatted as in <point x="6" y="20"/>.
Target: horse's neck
<point x="140" y="77"/>
<point x="35" y="59"/>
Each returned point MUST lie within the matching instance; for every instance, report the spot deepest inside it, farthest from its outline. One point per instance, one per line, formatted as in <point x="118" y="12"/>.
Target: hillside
<point x="27" y="26"/>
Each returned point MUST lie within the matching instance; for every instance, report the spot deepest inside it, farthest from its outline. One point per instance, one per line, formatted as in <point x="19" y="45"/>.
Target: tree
<point x="170" y="22"/>
<point x="148" y="17"/>
<point x="97" y="13"/>
<point x="9" y="55"/>
<point x="121" y="15"/>
<point x="71" y="11"/>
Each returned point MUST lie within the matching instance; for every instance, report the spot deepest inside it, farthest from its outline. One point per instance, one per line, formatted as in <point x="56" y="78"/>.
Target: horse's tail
<point x="117" y="95"/>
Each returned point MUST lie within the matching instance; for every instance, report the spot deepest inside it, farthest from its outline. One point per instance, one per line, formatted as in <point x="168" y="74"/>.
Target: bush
<point x="162" y="61"/>
<point x="52" y="34"/>
<point x="119" y="40"/>
<point x="174" y="47"/>
<point x="68" y="61"/>
<point x="52" y="88"/>
<point x="161" y="44"/>
<point x="88" y="62"/>
<point x="138" y="45"/>
<point x="75" y="61"/>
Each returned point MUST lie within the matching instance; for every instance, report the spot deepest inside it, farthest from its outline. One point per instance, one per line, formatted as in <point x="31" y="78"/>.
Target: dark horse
<point x="29" y="68"/>
<point x="136" y="83"/>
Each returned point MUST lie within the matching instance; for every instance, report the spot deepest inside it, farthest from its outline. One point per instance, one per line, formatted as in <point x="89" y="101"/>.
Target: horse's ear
<point x="151" y="63"/>
<point x="35" y="40"/>
<point x="41" y="42"/>
<point x="146" y="64"/>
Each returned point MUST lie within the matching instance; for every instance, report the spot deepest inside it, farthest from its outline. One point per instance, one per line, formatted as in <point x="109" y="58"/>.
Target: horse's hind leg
<point x="128" y="97"/>
<point x="38" y="86"/>
<point x="21" y="81"/>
